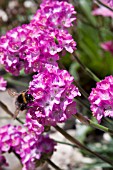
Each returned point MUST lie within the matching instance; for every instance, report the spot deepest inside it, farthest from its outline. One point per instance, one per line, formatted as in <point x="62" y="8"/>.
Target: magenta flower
<point x="107" y="46"/>
<point x="53" y="94"/>
<point x="10" y="138"/>
<point x="101" y="99"/>
<point x="29" y="147"/>
<point x="103" y="10"/>
<point x="11" y="46"/>
<point x="33" y="45"/>
<point x="55" y="14"/>
<point x="35" y="153"/>
<point x="33" y="125"/>
<point x="3" y="84"/>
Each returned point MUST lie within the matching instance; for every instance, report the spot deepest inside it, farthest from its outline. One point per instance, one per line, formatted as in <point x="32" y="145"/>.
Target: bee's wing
<point x="16" y="113"/>
<point x="12" y="93"/>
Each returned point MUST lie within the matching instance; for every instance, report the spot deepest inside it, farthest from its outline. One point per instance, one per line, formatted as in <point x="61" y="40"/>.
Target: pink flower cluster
<point x="30" y="149"/>
<point x="55" y="14"/>
<point x="32" y="45"/>
<point x="3" y="84"/>
<point x="35" y="47"/>
<point x="53" y="94"/>
<point x="101" y="99"/>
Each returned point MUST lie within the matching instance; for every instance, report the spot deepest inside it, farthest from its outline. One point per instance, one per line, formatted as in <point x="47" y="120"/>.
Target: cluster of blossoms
<point x="55" y="15"/>
<point x="32" y="45"/>
<point x="101" y="99"/>
<point x="35" y="47"/>
<point x="53" y="94"/>
<point x="3" y="84"/>
<point x="32" y="150"/>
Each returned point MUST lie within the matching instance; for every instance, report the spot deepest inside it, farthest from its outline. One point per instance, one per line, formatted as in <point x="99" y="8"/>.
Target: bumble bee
<point x="22" y="100"/>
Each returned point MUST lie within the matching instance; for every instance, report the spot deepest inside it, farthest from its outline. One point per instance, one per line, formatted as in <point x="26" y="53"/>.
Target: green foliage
<point x="91" y="31"/>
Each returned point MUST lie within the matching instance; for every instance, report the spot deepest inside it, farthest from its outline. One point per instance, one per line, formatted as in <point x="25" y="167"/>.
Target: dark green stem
<point x="65" y="143"/>
<point x="80" y="102"/>
<point x="81" y="90"/>
<point x="89" y="122"/>
<point x="104" y="5"/>
<point x="80" y="145"/>
<point x="79" y="87"/>
<point x="87" y="70"/>
<point x="5" y="108"/>
<point x="53" y="164"/>
<point x="16" y="82"/>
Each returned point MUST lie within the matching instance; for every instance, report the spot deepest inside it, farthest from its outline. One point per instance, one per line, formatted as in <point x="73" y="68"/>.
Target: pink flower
<point x="3" y="84"/>
<point x="101" y="99"/>
<point x="33" y="125"/>
<point x="103" y="10"/>
<point x="33" y="150"/>
<point x="29" y="147"/>
<point x="55" y="14"/>
<point x="32" y="46"/>
<point x="53" y="94"/>
<point x="107" y="46"/>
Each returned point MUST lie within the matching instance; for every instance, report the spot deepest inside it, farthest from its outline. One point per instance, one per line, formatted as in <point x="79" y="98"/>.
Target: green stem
<point x="5" y="108"/>
<point x="81" y="90"/>
<point x="80" y="145"/>
<point x="53" y="164"/>
<point x="80" y="102"/>
<point x="104" y="5"/>
<point x="89" y="122"/>
<point x="5" y="117"/>
<point x="16" y="82"/>
<point x="87" y="70"/>
<point x="79" y="87"/>
<point x="65" y="143"/>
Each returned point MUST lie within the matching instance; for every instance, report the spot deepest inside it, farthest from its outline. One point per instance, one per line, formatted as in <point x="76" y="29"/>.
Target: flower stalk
<point x="5" y="108"/>
<point x="89" y="122"/>
<point x="65" y="143"/>
<point x="81" y="102"/>
<point x="53" y="164"/>
<point x="83" y="92"/>
<point x="87" y="70"/>
<point x="16" y="82"/>
<point x="80" y="145"/>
